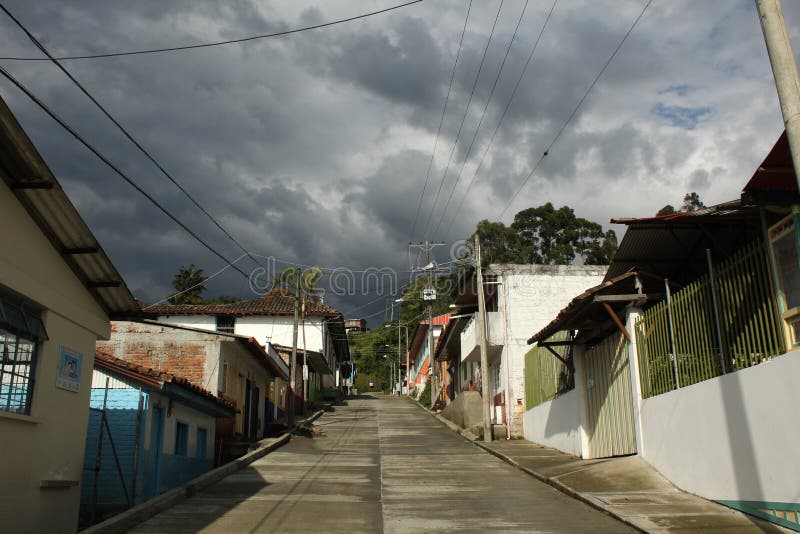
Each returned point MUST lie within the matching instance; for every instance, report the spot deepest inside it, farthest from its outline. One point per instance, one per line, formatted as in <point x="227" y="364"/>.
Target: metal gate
<point x="609" y="401"/>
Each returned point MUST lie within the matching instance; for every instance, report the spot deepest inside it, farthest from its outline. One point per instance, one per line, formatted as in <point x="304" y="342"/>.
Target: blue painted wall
<point x="122" y="408"/>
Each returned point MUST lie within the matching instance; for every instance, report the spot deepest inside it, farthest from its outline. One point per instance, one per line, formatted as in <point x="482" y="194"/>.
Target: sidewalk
<point x="627" y="488"/>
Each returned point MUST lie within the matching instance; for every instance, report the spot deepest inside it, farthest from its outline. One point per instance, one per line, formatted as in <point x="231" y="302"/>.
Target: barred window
<point x="16" y="372"/>
<point x="21" y="331"/>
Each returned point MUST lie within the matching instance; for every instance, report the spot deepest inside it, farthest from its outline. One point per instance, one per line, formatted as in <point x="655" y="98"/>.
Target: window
<point x="181" y="439"/>
<point x="202" y="443"/>
<point x="226" y="323"/>
<point x="21" y="330"/>
<point x="784" y="242"/>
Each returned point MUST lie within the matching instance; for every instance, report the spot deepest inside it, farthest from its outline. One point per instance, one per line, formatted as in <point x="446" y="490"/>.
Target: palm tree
<point x="189" y="283"/>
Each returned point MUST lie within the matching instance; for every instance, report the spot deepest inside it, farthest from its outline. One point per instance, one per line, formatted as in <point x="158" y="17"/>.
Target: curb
<point x="563" y="488"/>
<point x="128" y="519"/>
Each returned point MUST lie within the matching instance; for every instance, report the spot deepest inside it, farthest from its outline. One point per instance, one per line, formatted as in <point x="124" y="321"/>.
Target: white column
<point x="631" y="316"/>
<point x="581" y="392"/>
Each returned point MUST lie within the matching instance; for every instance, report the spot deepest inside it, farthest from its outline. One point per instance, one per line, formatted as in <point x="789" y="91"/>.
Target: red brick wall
<point x="183" y="359"/>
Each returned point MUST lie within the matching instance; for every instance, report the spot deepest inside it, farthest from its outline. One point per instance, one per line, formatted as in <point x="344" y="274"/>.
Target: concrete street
<point x="380" y="465"/>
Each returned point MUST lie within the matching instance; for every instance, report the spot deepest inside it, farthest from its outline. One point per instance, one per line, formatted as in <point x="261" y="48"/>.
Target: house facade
<point x="58" y="290"/>
<point x="149" y="431"/>
<point x="269" y="319"/>
<point x="515" y="296"/>
<point x="686" y="353"/>
<point x="236" y="368"/>
<point x="419" y="354"/>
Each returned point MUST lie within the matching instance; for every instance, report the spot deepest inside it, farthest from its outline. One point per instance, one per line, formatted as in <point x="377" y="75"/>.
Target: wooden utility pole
<point x="293" y="361"/>
<point x="784" y="69"/>
<point x="480" y="328"/>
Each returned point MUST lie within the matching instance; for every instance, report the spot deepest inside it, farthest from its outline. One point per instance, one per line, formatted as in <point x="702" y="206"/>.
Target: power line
<point x="113" y="167"/>
<point x="483" y="114"/>
<point x="464" y="118"/>
<point x="127" y="134"/>
<point x="218" y="43"/>
<point x="502" y="116"/>
<point x="441" y="121"/>
<point x="574" y="111"/>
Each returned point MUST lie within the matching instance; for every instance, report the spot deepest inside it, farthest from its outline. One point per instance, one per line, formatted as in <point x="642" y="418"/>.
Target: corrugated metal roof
<point x="27" y="175"/>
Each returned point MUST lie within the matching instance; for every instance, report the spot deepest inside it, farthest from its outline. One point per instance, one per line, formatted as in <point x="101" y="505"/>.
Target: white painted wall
<point x="530" y="296"/>
<point x="205" y="322"/>
<point x="556" y="423"/>
<point x="278" y="330"/>
<point x="734" y="437"/>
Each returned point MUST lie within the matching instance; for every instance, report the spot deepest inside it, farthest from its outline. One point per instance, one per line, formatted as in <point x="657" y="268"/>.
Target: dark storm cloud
<point x="314" y="148"/>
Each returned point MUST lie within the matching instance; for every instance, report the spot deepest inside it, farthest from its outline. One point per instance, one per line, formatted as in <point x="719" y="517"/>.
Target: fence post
<point x="715" y="308"/>
<point x="672" y="335"/>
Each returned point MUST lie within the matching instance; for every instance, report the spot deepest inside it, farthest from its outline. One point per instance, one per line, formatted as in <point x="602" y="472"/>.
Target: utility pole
<point x="293" y="361"/>
<point x="429" y="295"/>
<point x="784" y="69"/>
<point x="399" y="379"/>
<point x="481" y="331"/>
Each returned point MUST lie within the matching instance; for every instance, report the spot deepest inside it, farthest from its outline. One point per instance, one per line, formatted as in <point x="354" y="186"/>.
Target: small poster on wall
<point x="69" y="369"/>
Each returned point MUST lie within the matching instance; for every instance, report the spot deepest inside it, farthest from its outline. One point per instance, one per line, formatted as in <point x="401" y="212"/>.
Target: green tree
<point x="189" y="283"/>
<point x="669" y="209"/>
<point x="692" y="202"/>
<point x="499" y="243"/>
<point x="556" y="236"/>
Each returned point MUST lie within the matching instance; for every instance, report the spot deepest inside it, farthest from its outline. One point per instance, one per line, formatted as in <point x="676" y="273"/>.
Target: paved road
<point x="380" y="465"/>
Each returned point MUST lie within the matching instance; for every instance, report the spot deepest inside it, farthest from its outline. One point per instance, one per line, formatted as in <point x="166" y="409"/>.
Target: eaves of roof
<point x="30" y="179"/>
<point x="155" y="380"/>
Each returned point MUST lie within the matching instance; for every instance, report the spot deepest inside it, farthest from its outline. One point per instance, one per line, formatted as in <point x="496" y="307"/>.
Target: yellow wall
<point x="48" y="444"/>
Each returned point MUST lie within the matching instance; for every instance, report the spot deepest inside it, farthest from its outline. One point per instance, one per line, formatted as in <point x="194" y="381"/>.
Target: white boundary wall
<point x="734" y="437"/>
<point x="556" y="423"/>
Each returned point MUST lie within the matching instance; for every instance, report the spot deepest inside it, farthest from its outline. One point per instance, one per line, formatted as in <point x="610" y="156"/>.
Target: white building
<point x="268" y="319"/>
<point x="517" y="296"/>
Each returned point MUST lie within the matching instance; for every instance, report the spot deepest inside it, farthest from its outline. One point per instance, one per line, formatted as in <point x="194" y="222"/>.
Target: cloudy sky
<point x="314" y="148"/>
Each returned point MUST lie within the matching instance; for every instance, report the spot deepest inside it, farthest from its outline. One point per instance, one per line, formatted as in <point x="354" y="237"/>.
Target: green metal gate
<point x="609" y="401"/>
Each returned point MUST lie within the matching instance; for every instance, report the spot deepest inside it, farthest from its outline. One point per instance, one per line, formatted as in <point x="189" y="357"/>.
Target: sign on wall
<point x="69" y="369"/>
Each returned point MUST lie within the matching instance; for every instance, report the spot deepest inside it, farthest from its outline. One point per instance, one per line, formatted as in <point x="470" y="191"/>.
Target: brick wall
<point x="182" y="352"/>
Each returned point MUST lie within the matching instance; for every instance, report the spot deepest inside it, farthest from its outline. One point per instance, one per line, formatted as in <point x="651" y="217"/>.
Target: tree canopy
<point x="546" y="235"/>
<point x="189" y="283"/>
<point x="691" y="202"/>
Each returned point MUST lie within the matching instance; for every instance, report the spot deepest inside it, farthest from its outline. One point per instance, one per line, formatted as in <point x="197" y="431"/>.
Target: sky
<point x="315" y="148"/>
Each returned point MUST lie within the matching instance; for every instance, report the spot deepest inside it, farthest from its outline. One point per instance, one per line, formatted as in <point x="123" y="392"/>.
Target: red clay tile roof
<point x="276" y="302"/>
<point x="152" y="377"/>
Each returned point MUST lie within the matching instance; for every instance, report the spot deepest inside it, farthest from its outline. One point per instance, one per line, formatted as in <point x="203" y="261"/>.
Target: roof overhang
<point x="27" y="175"/>
<point x="774" y="182"/>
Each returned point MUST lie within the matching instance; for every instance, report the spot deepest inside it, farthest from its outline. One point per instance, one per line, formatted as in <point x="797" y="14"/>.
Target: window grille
<point x="16" y="372"/>
<point x="226" y="324"/>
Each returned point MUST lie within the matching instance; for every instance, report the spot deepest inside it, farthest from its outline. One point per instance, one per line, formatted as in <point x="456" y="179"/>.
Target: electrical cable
<point x="217" y="43"/>
<point x="502" y="117"/>
<point x="480" y="121"/>
<point x="206" y="279"/>
<point x="125" y="132"/>
<point x="464" y="118"/>
<point x="441" y="121"/>
<point x="574" y="111"/>
<point x="113" y="167"/>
